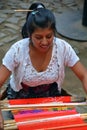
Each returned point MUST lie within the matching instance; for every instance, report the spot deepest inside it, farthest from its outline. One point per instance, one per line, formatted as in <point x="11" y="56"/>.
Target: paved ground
<point x="10" y="28"/>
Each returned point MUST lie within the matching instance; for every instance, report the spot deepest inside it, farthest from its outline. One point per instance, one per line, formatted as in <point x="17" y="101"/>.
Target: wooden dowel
<point x="54" y="128"/>
<point x="4" y="101"/>
<point x="83" y="116"/>
<point x="68" y="126"/>
<point x="21" y="10"/>
<point x="9" y="121"/>
<point x="48" y="107"/>
<point x="5" y="104"/>
<point x="11" y="128"/>
<point x="50" y="119"/>
<point x="78" y="99"/>
<point x="73" y="99"/>
<point x="53" y="104"/>
<point x="11" y="124"/>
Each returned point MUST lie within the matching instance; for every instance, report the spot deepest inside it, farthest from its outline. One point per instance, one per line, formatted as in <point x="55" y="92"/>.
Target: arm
<point x="81" y="73"/>
<point x="4" y="74"/>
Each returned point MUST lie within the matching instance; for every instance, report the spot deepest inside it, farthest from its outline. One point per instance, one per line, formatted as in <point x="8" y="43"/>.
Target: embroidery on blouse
<point x="51" y="74"/>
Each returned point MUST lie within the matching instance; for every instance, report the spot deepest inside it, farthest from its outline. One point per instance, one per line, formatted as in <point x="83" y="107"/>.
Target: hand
<point x="1" y="121"/>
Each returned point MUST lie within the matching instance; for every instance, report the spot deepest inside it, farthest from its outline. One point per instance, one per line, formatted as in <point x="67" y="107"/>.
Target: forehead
<point x="41" y="31"/>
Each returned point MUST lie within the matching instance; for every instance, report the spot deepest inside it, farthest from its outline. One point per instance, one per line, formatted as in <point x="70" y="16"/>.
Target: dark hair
<point x="32" y="7"/>
<point x="40" y="18"/>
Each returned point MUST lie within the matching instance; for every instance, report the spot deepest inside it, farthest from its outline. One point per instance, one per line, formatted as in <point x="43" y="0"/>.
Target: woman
<point x="36" y="64"/>
<point x="33" y="6"/>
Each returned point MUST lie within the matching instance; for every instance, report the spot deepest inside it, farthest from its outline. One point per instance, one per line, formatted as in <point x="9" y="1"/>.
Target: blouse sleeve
<point x="71" y="57"/>
<point x="10" y="60"/>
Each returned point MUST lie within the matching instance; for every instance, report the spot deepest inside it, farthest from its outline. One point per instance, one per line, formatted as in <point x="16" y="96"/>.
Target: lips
<point x="44" y="46"/>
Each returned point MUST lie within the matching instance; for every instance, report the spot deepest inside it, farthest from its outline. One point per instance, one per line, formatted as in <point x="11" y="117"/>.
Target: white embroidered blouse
<point x="18" y="61"/>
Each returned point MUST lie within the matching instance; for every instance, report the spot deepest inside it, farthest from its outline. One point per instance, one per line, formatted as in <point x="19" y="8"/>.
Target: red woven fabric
<point x="39" y="100"/>
<point x="65" y="120"/>
<point x="44" y="119"/>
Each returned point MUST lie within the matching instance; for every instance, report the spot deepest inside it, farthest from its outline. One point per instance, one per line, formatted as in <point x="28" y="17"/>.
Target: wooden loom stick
<point x="73" y="99"/>
<point x="12" y="107"/>
<point x="83" y="116"/>
<point x="11" y="125"/>
<point x="68" y="126"/>
<point x="14" y="127"/>
<point x="4" y="105"/>
<point x="21" y="10"/>
<point x="9" y="122"/>
<point x="6" y="108"/>
<point x="49" y="118"/>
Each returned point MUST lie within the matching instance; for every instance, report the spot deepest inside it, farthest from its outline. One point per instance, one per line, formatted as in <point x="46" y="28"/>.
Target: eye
<point x="38" y="37"/>
<point x="49" y="36"/>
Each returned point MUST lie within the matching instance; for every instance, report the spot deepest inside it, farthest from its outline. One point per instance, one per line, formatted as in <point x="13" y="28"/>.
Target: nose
<point x="44" y="41"/>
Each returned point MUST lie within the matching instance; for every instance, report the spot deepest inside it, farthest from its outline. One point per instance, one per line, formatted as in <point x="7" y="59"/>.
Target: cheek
<point x="35" y="42"/>
<point x="51" y="41"/>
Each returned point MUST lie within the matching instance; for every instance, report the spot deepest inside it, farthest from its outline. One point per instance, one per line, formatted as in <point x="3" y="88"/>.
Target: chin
<point x="44" y="50"/>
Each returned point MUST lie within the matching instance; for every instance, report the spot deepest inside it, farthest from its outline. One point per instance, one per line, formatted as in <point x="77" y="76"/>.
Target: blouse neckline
<point x="53" y="51"/>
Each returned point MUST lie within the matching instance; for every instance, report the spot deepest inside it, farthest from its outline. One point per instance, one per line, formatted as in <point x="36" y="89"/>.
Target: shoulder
<point x="18" y="48"/>
<point x="20" y="45"/>
<point x="62" y="45"/>
<point x="61" y="42"/>
<point x="22" y="42"/>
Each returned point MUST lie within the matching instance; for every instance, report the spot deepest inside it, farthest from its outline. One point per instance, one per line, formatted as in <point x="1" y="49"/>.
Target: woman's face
<point x="42" y="39"/>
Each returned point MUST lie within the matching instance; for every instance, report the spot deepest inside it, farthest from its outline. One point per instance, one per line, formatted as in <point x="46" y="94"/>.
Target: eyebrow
<point x="41" y="34"/>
